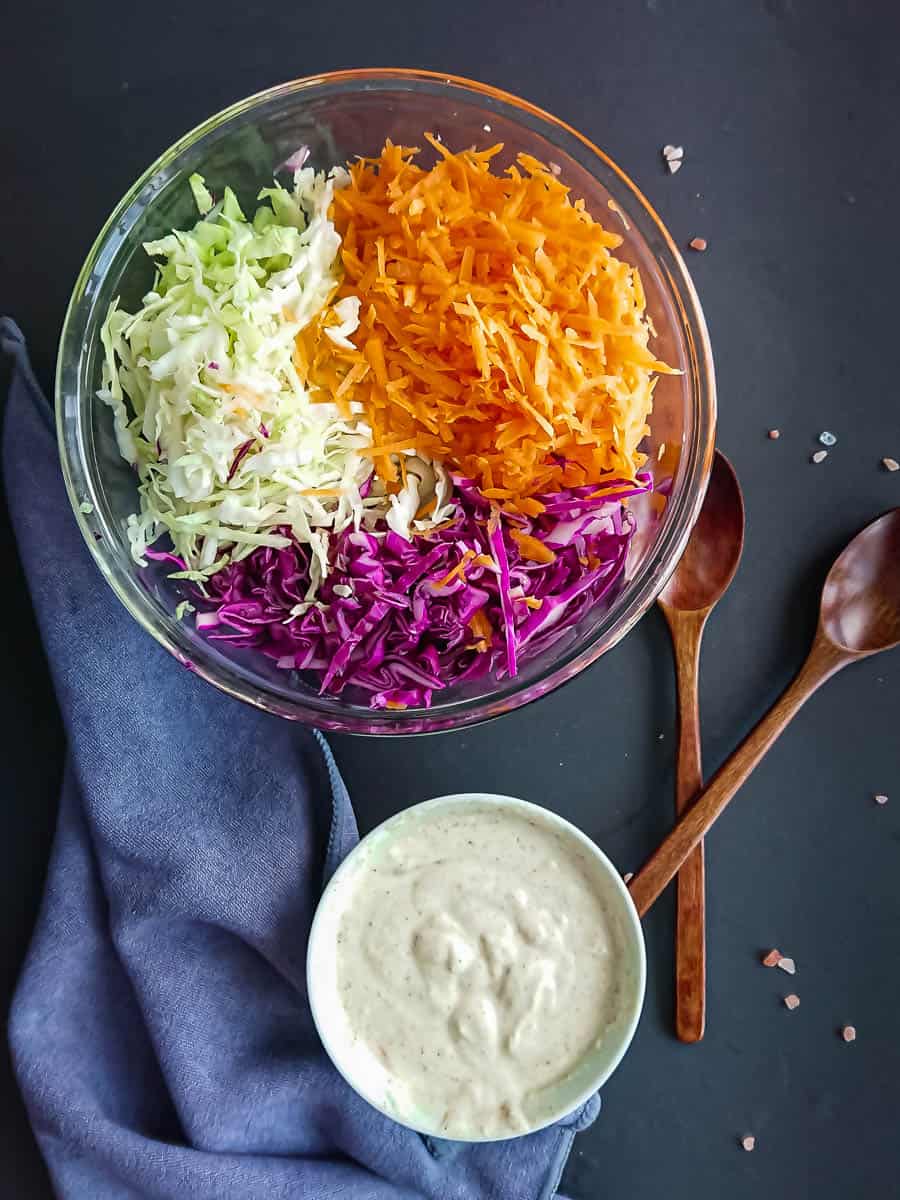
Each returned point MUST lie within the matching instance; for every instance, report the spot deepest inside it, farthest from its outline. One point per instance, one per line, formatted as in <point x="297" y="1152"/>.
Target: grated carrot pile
<point x="498" y="331"/>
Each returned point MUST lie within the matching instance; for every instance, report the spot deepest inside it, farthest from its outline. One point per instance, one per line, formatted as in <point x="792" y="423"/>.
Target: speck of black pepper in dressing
<point x="480" y="962"/>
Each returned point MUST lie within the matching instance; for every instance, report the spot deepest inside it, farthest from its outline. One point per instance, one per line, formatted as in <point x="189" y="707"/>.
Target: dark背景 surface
<point x="786" y="111"/>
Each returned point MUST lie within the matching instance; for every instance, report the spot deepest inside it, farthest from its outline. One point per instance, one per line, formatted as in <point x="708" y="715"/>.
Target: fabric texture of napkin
<point x="161" y="1033"/>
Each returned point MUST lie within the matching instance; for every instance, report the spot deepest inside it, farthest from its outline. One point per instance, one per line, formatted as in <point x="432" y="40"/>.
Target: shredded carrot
<point x="458" y="570"/>
<point x="530" y="507"/>
<point x="245" y="393"/>
<point x="322" y="492"/>
<point x="531" y="548"/>
<point x="481" y="625"/>
<point x="498" y="330"/>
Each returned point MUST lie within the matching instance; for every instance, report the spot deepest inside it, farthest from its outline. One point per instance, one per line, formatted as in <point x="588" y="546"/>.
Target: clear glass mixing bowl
<point x="341" y="115"/>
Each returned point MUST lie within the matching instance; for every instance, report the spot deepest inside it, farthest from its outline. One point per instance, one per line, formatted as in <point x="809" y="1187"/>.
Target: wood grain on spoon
<point x="859" y="616"/>
<point x="703" y="574"/>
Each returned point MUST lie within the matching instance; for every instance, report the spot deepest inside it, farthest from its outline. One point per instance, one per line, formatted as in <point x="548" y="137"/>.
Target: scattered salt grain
<point x="661" y="452"/>
<point x="774" y="434"/>
<point x="628" y="876"/>
<point x="554" y="168"/>
<point x="827" y="439"/>
<point x="771" y="959"/>
<point x="848" y="1033"/>
<point x="698" y="244"/>
<point x="792" y="1001"/>
<point x="881" y="798"/>
<point x="890" y="464"/>
<point x="819" y="456"/>
<point x="788" y="965"/>
<point x="674" y="156"/>
<point x="486" y="128"/>
<point x="748" y="1143"/>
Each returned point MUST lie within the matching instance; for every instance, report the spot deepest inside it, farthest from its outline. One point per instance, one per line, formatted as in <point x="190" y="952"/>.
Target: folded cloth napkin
<point x="160" y="1032"/>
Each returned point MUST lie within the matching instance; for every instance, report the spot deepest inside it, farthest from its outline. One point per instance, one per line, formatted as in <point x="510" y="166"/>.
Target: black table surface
<point x="788" y="112"/>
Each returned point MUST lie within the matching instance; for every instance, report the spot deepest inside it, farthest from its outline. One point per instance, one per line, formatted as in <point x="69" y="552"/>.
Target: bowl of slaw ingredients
<point x="386" y="421"/>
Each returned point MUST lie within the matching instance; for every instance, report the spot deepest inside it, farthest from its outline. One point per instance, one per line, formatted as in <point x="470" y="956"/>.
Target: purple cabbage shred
<point x="397" y="620"/>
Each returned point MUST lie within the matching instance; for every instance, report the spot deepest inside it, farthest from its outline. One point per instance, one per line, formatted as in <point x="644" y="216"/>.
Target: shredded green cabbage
<point x="206" y="402"/>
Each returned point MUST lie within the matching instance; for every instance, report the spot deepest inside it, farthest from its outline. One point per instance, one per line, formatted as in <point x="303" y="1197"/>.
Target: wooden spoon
<point x="859" y="616"/>
<point x="704" y="572"/>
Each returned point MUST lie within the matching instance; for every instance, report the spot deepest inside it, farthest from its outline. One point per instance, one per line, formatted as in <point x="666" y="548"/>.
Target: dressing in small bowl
<point x="476" y="968"/>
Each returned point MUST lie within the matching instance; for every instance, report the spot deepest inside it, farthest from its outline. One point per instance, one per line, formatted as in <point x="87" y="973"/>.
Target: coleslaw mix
<point x="294" y="403"/>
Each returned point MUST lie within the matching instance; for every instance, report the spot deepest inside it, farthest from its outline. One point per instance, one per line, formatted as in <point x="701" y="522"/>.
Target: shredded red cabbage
<point x="401" y="620"/>
<point x="296" y="160"/>
<point x="236" y="462"/>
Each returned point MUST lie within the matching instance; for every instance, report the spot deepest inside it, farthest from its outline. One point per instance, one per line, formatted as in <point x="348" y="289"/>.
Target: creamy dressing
<point x="478" y="961"/>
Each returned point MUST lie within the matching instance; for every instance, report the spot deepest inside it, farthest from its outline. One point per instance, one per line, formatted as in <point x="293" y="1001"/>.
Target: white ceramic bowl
<point x="369" y="1077"/>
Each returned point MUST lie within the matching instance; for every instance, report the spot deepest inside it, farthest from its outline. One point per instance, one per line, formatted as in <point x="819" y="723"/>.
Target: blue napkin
<point x="160" y="1032"/>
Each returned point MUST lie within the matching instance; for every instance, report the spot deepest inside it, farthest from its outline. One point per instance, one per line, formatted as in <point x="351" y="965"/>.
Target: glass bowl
<point x="341" y="115"/>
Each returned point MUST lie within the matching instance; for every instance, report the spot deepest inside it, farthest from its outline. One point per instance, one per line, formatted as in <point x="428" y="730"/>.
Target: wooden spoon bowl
<point x="714" y="548"/>
<point x="860" y="611"/>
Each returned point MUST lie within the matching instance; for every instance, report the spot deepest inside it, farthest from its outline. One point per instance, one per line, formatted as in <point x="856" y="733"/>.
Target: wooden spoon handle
<point x="690" y="918"/>
<point x="824" y="659"/>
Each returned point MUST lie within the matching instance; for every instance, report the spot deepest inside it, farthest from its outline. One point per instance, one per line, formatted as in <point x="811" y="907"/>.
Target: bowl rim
<point x="627" y="908"/>
<point x="464" y="712"/>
